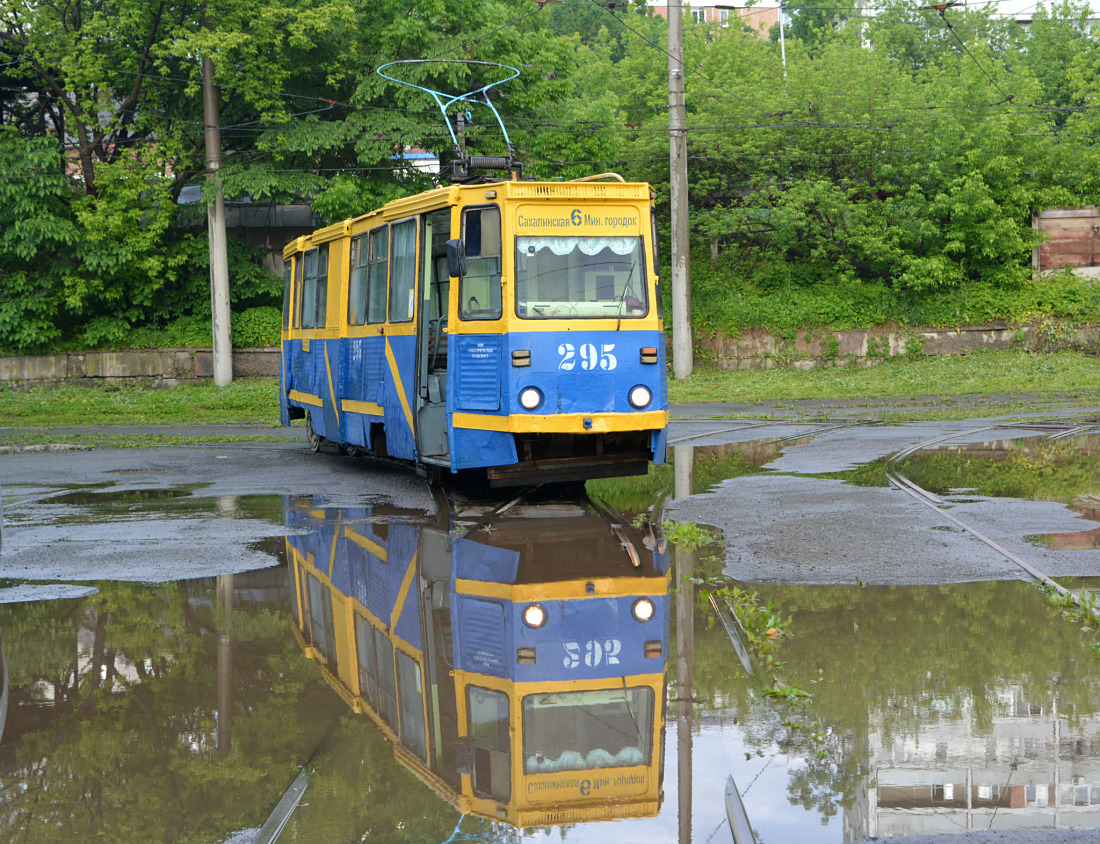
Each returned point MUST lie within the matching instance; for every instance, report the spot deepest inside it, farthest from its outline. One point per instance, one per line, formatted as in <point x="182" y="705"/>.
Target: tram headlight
<point x="530" y="398"/>
<point x="534" y="616"/>
<point x="640" y="396"/>
<point x="643" y="609"/>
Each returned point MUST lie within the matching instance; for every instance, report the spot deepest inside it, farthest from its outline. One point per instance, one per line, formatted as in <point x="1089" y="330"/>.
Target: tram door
<point x="431" y="373"/>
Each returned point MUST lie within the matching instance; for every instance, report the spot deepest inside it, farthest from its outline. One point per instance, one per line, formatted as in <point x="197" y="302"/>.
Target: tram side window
<point x="368" y="666"/>
<point x="288" y="277"/>
<point x="322" y="628"/>
<point x="657" y="266"/>
<point x="387" y="688"/>
<point x="357" y="281"/>
<point x="410" y="689"/>
<point x="299" y="264"/>
<point x="378" y="245"/>
<point x="479" y="292"/>
<point x="403" y="271"/>
<point x="487" y="711"/>
<point x="322" y="286"/>
<point x="313" y="298"/>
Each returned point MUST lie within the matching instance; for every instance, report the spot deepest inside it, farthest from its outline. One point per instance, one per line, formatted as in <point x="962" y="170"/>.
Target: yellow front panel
<point x="565" y="423"/>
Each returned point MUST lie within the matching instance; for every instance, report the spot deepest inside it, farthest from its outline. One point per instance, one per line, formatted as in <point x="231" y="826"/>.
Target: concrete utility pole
<point x="215" y="217"/>
<point x="682" y="351"/>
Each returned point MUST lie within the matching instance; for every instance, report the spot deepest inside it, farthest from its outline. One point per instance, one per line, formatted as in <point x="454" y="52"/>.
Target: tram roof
<point x="505" y="189"/>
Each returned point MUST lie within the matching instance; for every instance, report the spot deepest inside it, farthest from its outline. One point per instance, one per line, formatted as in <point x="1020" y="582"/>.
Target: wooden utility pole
<point x="215" y="218"/>
<point x="682" y="346"/>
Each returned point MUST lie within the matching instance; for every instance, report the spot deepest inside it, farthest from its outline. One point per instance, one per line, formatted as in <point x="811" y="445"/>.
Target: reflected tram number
<point x="595" y="653"/>
<point x="589" y="356"/>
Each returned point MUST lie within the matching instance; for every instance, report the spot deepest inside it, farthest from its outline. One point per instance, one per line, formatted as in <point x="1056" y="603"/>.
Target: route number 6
<point x="588" y="355"/>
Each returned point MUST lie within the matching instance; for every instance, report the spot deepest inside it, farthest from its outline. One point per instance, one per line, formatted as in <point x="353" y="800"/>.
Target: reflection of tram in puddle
<point x="517" y="672"/>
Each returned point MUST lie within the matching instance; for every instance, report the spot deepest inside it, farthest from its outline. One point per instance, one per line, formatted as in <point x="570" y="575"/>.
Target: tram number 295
<point x="593" y="652"/>
<point x="590" y="357"/>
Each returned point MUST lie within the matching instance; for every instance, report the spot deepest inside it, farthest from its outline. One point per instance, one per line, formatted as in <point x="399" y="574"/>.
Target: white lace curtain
<point x="568" y="245"/>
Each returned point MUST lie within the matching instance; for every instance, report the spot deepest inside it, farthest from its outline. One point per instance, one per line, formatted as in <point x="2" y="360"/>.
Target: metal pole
<point x="685" y="705"/>
<point x="225" y="664"/>
<point x="215" y="216"/>
<point x="682" y="352"/>
<point x="782" y="43"/>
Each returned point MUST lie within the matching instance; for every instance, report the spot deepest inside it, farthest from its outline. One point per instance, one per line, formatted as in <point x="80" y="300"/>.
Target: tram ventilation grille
<point x="582" y="191"/>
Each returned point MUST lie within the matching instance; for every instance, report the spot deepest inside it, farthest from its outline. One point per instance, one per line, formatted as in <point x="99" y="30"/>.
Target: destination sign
<point x="535" y="219"/>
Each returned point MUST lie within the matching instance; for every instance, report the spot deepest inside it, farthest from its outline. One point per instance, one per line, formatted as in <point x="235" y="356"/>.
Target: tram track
<point x="928" y="499"/>
<point x="776" y="423"/>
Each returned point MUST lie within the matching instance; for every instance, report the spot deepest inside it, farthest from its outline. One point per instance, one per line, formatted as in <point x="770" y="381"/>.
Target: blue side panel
<point x="585" y="371"/>
<point x="470" y="448"/>
<point x="474" y="561"/>
<point x="306" y="373"/>
<point x="590" y="639"/>
<point x="364" y="367"/>
<point x="328" y="393"/>
<point x="399" y="435"/>
<point x="661" y="366"/>
<point x="658" y="442"/>
<point x="401" y="546"/>
<point x="284" y="363"/>
<point x="356" y="428"/>
<point x="481" y="638"/>
<point x="376" y="368"/>
<point x="476" y="363"/>
<point x="353" y="377"/>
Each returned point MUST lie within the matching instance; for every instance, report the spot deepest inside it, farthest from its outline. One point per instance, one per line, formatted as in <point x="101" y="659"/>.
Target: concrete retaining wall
<point x="752" y="349"/>
<point x="759" y="349"/>
<point x="158" y="367"/>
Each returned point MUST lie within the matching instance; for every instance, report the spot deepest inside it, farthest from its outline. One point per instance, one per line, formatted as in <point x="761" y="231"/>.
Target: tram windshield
<point x="573" y="731"/>
<point x="586" y="277"/>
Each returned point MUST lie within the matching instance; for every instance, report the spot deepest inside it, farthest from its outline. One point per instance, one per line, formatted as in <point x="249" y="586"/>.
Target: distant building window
<point x="698" y="15"/>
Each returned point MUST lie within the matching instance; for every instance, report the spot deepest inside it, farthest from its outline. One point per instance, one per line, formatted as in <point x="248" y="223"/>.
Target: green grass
<point x="254" y="400"/>
<point x="957" y="383"/>
<point x="1072" y="374"/>
<point x="82" y="441"/>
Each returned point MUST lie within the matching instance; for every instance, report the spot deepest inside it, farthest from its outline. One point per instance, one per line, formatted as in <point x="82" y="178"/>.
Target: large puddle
<point x="527" y="680"/>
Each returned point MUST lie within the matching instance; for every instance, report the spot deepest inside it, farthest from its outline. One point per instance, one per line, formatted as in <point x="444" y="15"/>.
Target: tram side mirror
<point x="456" y="258"/>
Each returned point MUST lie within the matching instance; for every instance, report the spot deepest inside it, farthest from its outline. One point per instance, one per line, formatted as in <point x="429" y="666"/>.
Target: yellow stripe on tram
<point x="602" y="587"/>
<point x="305" y="398"/>
<point x="400" y="386"/>
<point x="367" y="407"/>
<point x="367" y="544"/>
<point x="331" y="392"/>
<point x="399" y="604"/>
<point x="564" y="423"/>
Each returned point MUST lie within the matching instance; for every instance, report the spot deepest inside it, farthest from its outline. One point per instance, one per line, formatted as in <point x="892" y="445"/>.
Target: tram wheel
<point x="314" y="438"/>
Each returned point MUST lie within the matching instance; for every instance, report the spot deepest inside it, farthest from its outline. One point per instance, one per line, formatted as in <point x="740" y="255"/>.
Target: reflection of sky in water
<point x="717" y="752"/>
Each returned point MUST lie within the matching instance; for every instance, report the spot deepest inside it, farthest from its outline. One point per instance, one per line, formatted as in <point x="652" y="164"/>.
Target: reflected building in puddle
<point x="518" y="672"/>
<point x="1027" y="770"/>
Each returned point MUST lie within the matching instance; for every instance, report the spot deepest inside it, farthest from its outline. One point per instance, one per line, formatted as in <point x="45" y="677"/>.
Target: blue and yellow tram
<point x="509" y="327"/>
<point x="519" y="674"/>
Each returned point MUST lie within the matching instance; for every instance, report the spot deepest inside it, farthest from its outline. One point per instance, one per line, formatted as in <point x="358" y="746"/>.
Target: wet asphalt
<point x="169" y="513"/>
<point x="789" y="524"/>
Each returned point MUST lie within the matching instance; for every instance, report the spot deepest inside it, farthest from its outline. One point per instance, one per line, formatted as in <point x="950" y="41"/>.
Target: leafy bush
<point x="257" y="327"/>
<point x="727" y="298"/>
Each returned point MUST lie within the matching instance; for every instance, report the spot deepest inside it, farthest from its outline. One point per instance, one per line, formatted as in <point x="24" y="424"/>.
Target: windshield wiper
<point x="622" y="299"/>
